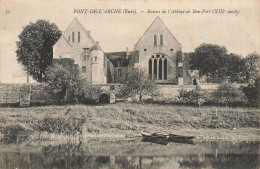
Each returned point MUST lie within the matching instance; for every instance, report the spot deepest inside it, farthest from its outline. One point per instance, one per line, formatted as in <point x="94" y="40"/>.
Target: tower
<point x="97" y="64"/>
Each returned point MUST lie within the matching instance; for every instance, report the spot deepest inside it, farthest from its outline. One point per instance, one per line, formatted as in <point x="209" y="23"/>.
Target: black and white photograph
<point x="129" y="84"/>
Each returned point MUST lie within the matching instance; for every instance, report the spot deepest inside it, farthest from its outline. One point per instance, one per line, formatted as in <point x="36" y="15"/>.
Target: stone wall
<point x="9" y="93"/>
<point x="171" y="91"/>
<point x="23" y="94"/>
<point x="41" y="93"/>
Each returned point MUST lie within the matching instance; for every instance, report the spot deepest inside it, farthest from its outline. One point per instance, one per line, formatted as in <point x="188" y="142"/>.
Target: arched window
<point x="155" y="40"/>
<point x="157" y="66"/>
<point x="95" y="58"/>
<point x="150" y="67"/>
<point x="165" y="68"/>
<point x="160" y="68"/>
<point x="161" y="40"/>
<point x="72" y="36"/>
<point x="78" y="36"/>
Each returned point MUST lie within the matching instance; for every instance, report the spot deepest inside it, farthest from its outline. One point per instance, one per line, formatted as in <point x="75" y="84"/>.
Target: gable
<point x="61" y="47"/>
<point x="157" y="28"/>
<point x="62" y="42"/>
<point x="85" y="40"/>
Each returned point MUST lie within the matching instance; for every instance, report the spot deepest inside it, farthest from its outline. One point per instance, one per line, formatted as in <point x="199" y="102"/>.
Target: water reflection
<point x="216" y="155"/>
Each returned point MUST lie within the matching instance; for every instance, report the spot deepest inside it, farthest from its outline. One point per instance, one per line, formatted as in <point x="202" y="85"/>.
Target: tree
<point x="86" y="92"/>
<point x="193" y="97"/>
<point x="251" y="92"/>
<point x="231" y="68"/>
<point x="206" y="59"/>
<point x="138" y="82"/>
<point x="63" y="79"/>
<point x="217" y="65"/>
<point x="252" y="67"/>
<point x="34" y="48"/>
<point x="227" y="93"/>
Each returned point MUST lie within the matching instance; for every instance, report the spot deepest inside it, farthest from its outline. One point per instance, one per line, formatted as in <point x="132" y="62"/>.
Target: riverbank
<point x="122" y="121"/>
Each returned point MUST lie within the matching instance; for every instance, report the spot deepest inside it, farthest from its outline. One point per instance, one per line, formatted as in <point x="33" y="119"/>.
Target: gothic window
<point x="155" y="40"/>
<point x="72" y="36"/>
<point x="161" y="40"/>
<point x="155" y="68"/>
<point x="95" y="58"/>
<point x="158" y="67"/>
<point x="84" y="69"/>
<point x="165" y="68"/>
<point x="150" y="67"/>
<point x="78" y="36"/>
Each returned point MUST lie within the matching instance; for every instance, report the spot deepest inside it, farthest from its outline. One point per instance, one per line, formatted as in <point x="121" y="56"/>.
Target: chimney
<point x="127" y="52"/>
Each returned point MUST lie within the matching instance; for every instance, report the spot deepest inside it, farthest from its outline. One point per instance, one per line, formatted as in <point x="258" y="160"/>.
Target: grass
<point x="131" y="118"/>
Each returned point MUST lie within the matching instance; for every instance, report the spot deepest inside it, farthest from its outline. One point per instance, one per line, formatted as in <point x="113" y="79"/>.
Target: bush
<point x="69" y="126"/>
<point x="63" y="80"/>
<point x="251" y="94"/>
<point x="87" y="93"/>
<point x="227" y="93"/>
<point x="138" y="82"/>
<point x="11" y="133"/>
<point x="193" y="97"/>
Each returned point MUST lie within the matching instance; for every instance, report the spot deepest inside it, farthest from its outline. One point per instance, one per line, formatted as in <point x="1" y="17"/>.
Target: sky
<point x="239" y="31"/>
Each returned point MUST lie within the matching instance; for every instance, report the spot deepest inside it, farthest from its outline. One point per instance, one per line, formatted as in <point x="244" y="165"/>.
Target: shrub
<point x="227" y="93"/>
<point x="62" y="80"/>
<point x="11" y="133"/>
<point x="87" y="93"/>
<point x="251" y="94"/>
<point x="69" y="126"/>
<point x="195" y="96"/>
<point x="138" y="82"/>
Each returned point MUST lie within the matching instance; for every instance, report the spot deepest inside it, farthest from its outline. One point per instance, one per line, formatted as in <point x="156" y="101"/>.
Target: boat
<point x="154" y="135"/>
<point x="161" y="137"/>
<point x="158" y="138"/>
<point x="174" y="136"/>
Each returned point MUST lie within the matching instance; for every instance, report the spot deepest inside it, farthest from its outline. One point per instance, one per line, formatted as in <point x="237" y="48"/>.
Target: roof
<point x="159" y="19"/>
<point x="115" y="56"/>
<point x="95" y="47"/>
<point x="66" y="40"/>
<point x="62" y="37"/>
<point x="76" y="19"/>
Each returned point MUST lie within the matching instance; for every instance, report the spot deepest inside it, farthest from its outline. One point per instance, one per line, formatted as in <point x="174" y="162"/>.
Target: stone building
<point x="77" y="44"/>
<point x="158" y="51"/>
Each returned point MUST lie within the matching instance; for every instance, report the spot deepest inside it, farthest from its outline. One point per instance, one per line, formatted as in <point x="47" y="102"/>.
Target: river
<point x="130" y="155"/>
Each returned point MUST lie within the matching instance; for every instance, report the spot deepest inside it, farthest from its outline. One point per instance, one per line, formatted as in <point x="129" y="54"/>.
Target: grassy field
<point x="128" y="119"/>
